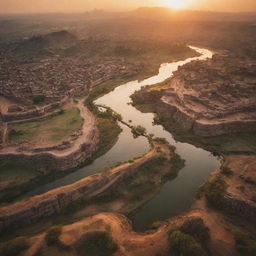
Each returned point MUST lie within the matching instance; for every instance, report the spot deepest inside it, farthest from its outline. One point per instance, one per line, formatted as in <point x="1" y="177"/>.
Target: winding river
<point x="176" y="195"/>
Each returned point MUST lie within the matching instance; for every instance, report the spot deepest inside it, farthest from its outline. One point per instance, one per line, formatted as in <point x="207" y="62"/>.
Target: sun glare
<point x="175" y="4"/>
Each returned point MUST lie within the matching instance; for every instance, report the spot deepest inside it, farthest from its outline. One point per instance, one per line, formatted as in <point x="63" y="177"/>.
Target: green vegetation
<point x="177" y="163"/>
<point x="245" y="242"/>
<point x="228" y="143"/>
<point x="196" y="227"/>
<point x="17" y="173"/>
<point x="105" y="88"/>
<point x="29" y="176"/>
<point x="109" y="131"/>
<point x="214" y="189"/>
<point x="14" y="247"/>
<point x="52" y="235"/>
<point x="52" y="130"/>
<point x="138" y="131"/>
<point x="182" y="244"/>
<point x="106" y="197"/>
<point x="226" y="171"/>
<point x="153" y="163"/>
<point x="97" y="243"/>
<point x="38" y="99"/>
<point x="162" y="141"/>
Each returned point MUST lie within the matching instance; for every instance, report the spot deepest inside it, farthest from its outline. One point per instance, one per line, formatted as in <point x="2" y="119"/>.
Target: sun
<point x="176" y="4"/>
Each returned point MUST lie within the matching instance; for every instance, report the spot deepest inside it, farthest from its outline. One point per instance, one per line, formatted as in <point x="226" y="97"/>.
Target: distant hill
<point x="45" y="44"/>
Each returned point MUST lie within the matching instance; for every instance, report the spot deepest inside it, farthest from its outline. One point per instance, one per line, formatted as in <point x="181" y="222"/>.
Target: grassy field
<point x="17" y="173"/>
<point x="28" y="176"/>
<point x="52" y="130"/>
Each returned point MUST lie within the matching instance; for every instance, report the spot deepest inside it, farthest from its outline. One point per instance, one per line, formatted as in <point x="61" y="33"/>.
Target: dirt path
<point x="130" y="243"/>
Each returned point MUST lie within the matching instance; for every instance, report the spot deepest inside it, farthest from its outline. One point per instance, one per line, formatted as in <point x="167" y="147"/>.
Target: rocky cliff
<point x="208" y="98"/>
<point x="32" y="209"/>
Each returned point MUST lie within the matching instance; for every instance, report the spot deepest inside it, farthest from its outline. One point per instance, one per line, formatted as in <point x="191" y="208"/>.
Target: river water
<point x="175" y="196"/>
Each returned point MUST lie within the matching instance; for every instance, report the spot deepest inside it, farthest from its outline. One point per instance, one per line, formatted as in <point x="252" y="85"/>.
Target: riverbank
<point x="42" y="162"/>
<point x="209" y="230"/>
<point x="227" y="200"/>
<point x="107" y="135"/>
<point x="206" y="105"/>
<point x="91" y="188"/>
<point x="151" y="99"/>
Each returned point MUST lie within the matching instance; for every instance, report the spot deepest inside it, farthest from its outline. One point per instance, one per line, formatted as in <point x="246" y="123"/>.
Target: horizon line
<point x="128" y="10"/>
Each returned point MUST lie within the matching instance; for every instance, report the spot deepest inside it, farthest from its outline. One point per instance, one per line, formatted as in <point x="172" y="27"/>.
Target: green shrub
<point x="245" y="242"/>
<point x="184" y="245"/>
<point x="177" y="163"/>
<point x="214" y="190"/>
<point x="226" y="171"/>
<point x="75" y="101"/>
<point x="107" y="196"/>
<point x="154" y="163"/>
<point x="38" y="99"/>
<point x="97" y="243"/>
<point x="196" y="227"/>
<point x="157" y="224"/>
<point x="162" y="141"/>
<point x="14" y="247"/>
<point x="52" y="235"/>
<point x="61" y="111"/>
<point x="138" y="130"/>
<point x="15" y="133"/>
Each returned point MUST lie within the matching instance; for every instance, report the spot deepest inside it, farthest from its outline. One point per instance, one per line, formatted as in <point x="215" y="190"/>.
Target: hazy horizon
<point x="66" y="6"/>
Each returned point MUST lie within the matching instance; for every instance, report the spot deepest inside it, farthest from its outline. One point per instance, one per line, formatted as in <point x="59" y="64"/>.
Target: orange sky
<point x="8" y="6"/>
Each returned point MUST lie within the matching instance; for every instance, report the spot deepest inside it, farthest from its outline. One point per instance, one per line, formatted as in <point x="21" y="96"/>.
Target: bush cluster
<point x="245" y="243"/>
<point x="97" y="243"/>
<point x="214" y="190"/>
<point x="38" y="99"/>
<point x="14" y="247"/>
<point x="52" y="235"/>
<point x="185" y="245"/>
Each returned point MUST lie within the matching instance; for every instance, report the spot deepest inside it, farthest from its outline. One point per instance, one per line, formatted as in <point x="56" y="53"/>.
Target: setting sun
<point x="175" y="4"/>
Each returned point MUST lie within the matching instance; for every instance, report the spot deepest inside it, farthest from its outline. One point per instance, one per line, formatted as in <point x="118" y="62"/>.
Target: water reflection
<point x="177" y="195"/>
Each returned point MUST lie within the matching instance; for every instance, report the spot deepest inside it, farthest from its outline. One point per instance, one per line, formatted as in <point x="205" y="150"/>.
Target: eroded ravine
<point x="176" y="195"/>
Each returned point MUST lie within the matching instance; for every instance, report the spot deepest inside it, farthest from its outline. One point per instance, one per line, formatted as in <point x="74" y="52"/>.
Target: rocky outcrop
<point x="188" y="123"/>
<point x="209" y="98"/>
<point x="240" y="207"/>
<point x="55" y="162"/>
<point x="32" y="209"/>
<point x="62" y="157"/>
<point x="240" y="175"/>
